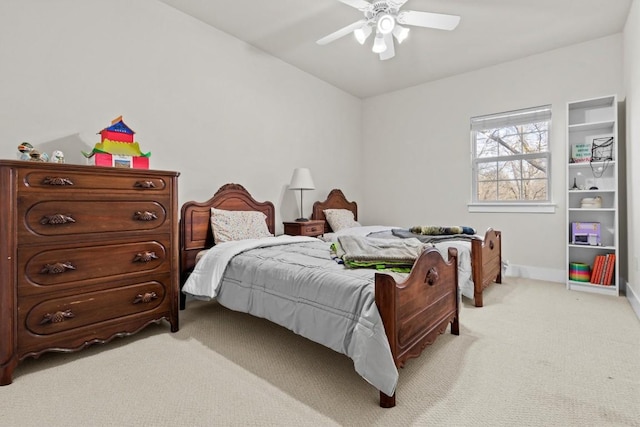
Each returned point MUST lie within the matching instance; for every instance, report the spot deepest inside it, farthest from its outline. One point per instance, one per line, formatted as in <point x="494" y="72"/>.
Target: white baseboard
<point x="536" y="273"/>
<point x="634" y="299"/>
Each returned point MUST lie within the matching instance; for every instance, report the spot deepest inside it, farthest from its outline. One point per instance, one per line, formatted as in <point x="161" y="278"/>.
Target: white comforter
<point x="465" y="275"/>
<point x="293" y="282"/>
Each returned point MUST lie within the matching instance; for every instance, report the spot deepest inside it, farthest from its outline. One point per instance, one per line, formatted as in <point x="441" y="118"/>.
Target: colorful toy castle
<point x="117" y="148"/>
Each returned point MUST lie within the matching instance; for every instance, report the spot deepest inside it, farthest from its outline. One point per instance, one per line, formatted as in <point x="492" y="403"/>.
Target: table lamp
<point x="301" y="180"/>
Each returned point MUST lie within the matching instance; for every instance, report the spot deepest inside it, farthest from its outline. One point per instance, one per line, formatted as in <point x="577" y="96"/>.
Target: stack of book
<point x="603" y="269"/>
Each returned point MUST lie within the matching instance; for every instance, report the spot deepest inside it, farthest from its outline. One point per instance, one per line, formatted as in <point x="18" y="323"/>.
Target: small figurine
<point x="57" y="157"/>
<point x="25" y="148"/>
<point x="37" y="156"/>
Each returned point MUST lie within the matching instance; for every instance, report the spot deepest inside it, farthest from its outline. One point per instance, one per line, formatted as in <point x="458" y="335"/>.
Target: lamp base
<point x="302" y="219"/>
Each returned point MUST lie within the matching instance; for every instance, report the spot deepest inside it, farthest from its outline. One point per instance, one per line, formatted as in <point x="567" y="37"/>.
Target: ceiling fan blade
<point x="358" y="4"/>
<point x="341" y="32"/>
<point x="427" y="19"/>
<point x="390" y="52"/>
<point x="396" y="3"/>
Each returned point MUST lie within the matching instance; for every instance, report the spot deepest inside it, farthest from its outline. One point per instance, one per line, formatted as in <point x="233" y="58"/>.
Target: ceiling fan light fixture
<point x="386" y="23"/>
<point x="386" y="18"/>
<point x="362" y="33"/>
<point x="400" y="33"/>
<point x="379" y="45"/>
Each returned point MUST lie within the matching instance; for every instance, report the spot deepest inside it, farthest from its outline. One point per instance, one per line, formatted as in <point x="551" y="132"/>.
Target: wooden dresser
<point x="86" y="254"/>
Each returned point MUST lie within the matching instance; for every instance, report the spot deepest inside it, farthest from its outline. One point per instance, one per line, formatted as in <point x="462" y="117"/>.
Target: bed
<point x="485" y="253"/>
<point x="394" y="319"/>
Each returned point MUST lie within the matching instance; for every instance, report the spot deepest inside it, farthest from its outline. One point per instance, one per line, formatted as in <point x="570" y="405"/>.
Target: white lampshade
<point x="301" y="180"/>
<point x="401" y="33"/>
<point x="362" y="33"/>
<point x="379" y="45"/>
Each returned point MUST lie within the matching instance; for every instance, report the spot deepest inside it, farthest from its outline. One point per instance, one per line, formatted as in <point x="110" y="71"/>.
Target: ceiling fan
<point x="386" y="18"/>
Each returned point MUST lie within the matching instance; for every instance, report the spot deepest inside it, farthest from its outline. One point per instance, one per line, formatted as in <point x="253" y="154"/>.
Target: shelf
<point x="592" y="209"/>
<point x="593" y="104"/>
<point x="595" y="285"/>
<point x="592" y="287"/>
<point x="595" y="247"/>
<point x="584" y="127"/>
<point x="591" y="191"/>
<point x="589" y="165"/>
<point x="588" y="120"/>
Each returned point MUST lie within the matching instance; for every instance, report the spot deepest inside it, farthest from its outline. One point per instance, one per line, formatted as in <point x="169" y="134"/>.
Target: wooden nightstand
<point x="313" y="228"/>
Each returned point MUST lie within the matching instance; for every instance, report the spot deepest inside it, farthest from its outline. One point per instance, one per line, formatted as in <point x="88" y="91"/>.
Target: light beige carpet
<point x="535" y="355"/>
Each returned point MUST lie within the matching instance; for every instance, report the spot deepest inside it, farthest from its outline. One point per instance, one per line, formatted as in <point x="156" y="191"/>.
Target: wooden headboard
<point x="335" y="200"/>
<point x="195" y="221"/>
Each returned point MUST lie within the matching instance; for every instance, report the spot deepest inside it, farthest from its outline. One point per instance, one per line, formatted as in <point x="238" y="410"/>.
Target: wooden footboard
<point x="486" y="263"/>
<point x="416" y="311"/>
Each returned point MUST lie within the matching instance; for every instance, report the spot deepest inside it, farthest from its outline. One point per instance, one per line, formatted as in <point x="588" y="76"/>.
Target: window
<point x="511" y="157"/>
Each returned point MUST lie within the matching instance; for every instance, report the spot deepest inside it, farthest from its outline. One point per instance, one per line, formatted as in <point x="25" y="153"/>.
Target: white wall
<point x="218" y="111"/>
<point x="418" y="150"/>
<point x="204" y="103"/>
<point x="632" y="86"/>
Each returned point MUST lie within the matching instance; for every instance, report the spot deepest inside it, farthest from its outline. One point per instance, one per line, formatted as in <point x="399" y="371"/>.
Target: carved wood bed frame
<point x="414" y="312"/>
<point x="486" y="255"/>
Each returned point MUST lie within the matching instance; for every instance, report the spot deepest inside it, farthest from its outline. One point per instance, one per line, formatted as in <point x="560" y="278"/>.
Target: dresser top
<point x="67" y="167"/>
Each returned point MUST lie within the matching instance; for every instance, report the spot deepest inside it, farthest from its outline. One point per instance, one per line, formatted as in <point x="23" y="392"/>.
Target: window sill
<point x="512" y="207"/>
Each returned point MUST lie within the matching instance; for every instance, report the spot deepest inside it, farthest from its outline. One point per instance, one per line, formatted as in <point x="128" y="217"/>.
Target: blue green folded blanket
<point x="438" y="230"/>
<point x="397" y="255"/>
<point x="415" y="233"/>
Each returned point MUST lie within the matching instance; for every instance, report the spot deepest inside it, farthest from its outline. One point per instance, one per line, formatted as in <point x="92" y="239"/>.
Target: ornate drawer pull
<point x="56" y="219"/>
<point x="145" y="256"/>
<point x="57" y="317"/>
<point x="432" y="276"/>
<point x="57" y="268"/>
<point x="57" y="180"/>
<point x="145" y="216"/>
<point x="145" y="184"/>
<point x="146" y="297"/>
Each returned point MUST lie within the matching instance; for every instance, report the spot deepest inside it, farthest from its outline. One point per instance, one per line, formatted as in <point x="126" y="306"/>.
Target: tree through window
<point x="511" y="157"/>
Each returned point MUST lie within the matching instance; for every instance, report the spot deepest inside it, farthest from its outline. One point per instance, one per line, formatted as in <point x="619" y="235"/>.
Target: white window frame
<point x="507" y="119"/>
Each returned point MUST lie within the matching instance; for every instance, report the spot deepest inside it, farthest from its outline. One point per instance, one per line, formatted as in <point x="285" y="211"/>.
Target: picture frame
<point x="122" y="161"/>
<point x="581" y="153"/>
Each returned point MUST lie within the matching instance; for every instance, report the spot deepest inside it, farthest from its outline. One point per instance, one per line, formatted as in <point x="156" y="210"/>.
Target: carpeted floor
<point x="535" y="355"/>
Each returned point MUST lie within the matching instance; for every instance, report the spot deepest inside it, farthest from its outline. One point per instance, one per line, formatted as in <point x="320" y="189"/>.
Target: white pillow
<point x="339" y="219"/>
<point x="238" y="225"/>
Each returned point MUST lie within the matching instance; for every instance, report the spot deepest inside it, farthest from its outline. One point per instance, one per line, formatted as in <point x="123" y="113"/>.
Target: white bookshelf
<point x="589" y="120"/>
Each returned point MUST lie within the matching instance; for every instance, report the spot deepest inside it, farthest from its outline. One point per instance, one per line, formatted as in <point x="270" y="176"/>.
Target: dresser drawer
<point x="311" y="229"/>
<point x="59" y="181"/>
<point x="56" y="321"/>
<point x="52" y="268"/>
<point x="304" y="228"/>
<point x="44" y="218"/>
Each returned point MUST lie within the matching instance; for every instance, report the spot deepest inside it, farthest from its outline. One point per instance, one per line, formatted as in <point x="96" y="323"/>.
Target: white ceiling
<point x="490" y="32"/>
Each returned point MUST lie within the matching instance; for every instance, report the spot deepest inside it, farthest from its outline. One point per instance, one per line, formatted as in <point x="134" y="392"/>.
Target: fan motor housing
<point x="380" y="8"/>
